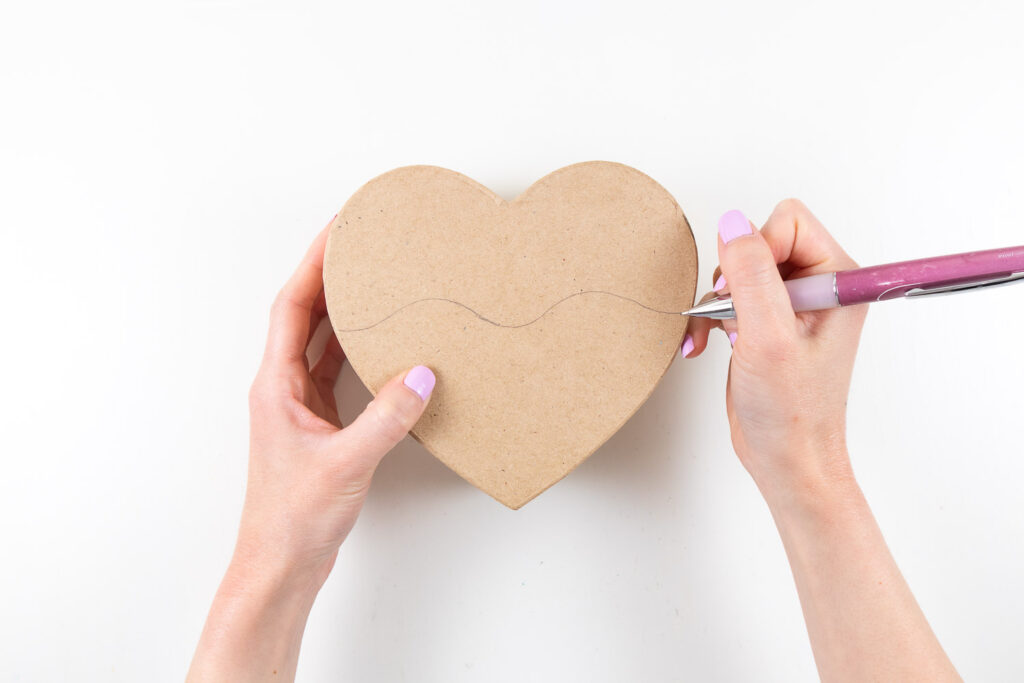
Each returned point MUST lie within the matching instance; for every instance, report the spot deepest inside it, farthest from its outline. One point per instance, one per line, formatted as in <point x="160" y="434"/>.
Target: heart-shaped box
<point x="548" y="320"/>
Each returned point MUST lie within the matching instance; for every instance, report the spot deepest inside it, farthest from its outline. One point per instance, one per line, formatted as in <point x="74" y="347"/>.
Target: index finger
<point x="799" y="240"/>
<point x="290" y="314"/>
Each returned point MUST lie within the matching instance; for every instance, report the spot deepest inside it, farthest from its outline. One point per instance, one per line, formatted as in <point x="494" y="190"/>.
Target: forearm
<point x="862" y="619"/>
<point x="255" y="626"/>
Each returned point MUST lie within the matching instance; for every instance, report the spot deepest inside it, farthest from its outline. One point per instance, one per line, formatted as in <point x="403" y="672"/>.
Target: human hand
<point x="308" y="476"/>
<point x="790" y="373"/>
<point x="307" y="481"/>
<point x="786" y="399"/>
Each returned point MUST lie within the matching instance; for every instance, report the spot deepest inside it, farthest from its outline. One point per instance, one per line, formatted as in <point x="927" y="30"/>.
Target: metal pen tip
<point x="719" y="308"/>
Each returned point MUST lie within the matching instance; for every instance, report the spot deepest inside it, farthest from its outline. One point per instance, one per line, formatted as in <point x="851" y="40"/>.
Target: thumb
<point x="388" y="417"/>
<point x="761" y="300"/>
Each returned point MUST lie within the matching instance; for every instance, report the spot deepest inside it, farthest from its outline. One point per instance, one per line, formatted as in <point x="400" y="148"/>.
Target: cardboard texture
<point x="548" y="320"/>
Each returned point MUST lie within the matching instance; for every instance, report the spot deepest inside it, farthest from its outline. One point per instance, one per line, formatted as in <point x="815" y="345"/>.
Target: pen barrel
<point x="894" y="280"/>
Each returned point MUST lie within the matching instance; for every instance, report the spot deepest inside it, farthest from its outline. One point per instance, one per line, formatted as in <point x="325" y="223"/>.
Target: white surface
<point x="164" y="167"/>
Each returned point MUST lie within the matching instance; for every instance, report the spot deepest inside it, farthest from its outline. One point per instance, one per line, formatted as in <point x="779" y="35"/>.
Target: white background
<point x="163" y="168"/>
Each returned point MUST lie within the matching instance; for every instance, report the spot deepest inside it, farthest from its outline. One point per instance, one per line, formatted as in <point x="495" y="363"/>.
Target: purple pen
<point x="938" y="275"/>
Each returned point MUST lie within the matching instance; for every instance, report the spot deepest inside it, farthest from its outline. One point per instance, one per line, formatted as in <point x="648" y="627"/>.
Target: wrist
<point x="272" y="577"/>
<point x="815" y="480"/>
<point x="256" y="623"/>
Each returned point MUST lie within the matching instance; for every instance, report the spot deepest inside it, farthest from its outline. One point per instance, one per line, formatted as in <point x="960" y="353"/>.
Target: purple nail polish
<point x="732" y="339"/>
<point x="733" y="224"/>
<point x="687" y="346"/>
<point x="719" y="283"/>
<point x="421" y="380"/>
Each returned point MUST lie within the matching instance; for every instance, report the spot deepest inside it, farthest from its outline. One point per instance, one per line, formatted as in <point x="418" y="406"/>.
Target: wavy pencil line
<point x="498" y="324"/>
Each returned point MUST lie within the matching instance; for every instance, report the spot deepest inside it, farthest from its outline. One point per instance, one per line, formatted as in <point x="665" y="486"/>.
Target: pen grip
<point x="813" y="293"/>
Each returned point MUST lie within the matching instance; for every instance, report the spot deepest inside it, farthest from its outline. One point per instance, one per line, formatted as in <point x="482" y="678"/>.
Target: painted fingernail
<point x="719" y="283"/>
<point x="732" y="339"/>
<point x="421" y="380"/>
<point x="733" y="224"/>
<point x="687" y="346"/>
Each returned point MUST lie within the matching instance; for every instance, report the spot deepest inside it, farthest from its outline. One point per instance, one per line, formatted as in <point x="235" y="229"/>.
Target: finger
<point x="325" y="373"/>
<point x="731" y="330"/>
<point x="387" y="419"/>
<point x="762" y="304"/>
<point x="290" y="314"/>
<point x="800" y="242"/>
<point x="697" y="331"/>
<point x="717" y="281"/>
<point x="316" y="314"/>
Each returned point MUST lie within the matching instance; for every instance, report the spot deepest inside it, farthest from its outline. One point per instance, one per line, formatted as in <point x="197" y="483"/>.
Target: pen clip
<point x="953" y="288"/>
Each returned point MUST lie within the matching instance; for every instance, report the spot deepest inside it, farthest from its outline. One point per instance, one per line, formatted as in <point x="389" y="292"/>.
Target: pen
<point x="906" y="279"/>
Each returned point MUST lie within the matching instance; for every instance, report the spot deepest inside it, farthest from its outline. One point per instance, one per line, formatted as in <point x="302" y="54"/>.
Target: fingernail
<point x="733" y="224"/>
<point x="421" y="380"/>
<point x="732" y="339"/>
<point x="719" y="283"/>
<point x="687" y="346"/>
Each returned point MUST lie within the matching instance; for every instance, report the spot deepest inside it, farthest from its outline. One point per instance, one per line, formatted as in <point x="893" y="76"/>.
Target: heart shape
<point x="547" y="320"/>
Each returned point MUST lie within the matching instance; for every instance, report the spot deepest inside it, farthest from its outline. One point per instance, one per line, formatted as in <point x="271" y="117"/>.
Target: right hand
<point x="789" y="375"/>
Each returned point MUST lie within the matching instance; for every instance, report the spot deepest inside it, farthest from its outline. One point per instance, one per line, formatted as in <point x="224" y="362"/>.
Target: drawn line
<point x="497" y="324"/>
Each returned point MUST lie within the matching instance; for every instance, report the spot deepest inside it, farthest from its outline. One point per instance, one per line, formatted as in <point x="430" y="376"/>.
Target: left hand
<point x="308" y="478"/>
